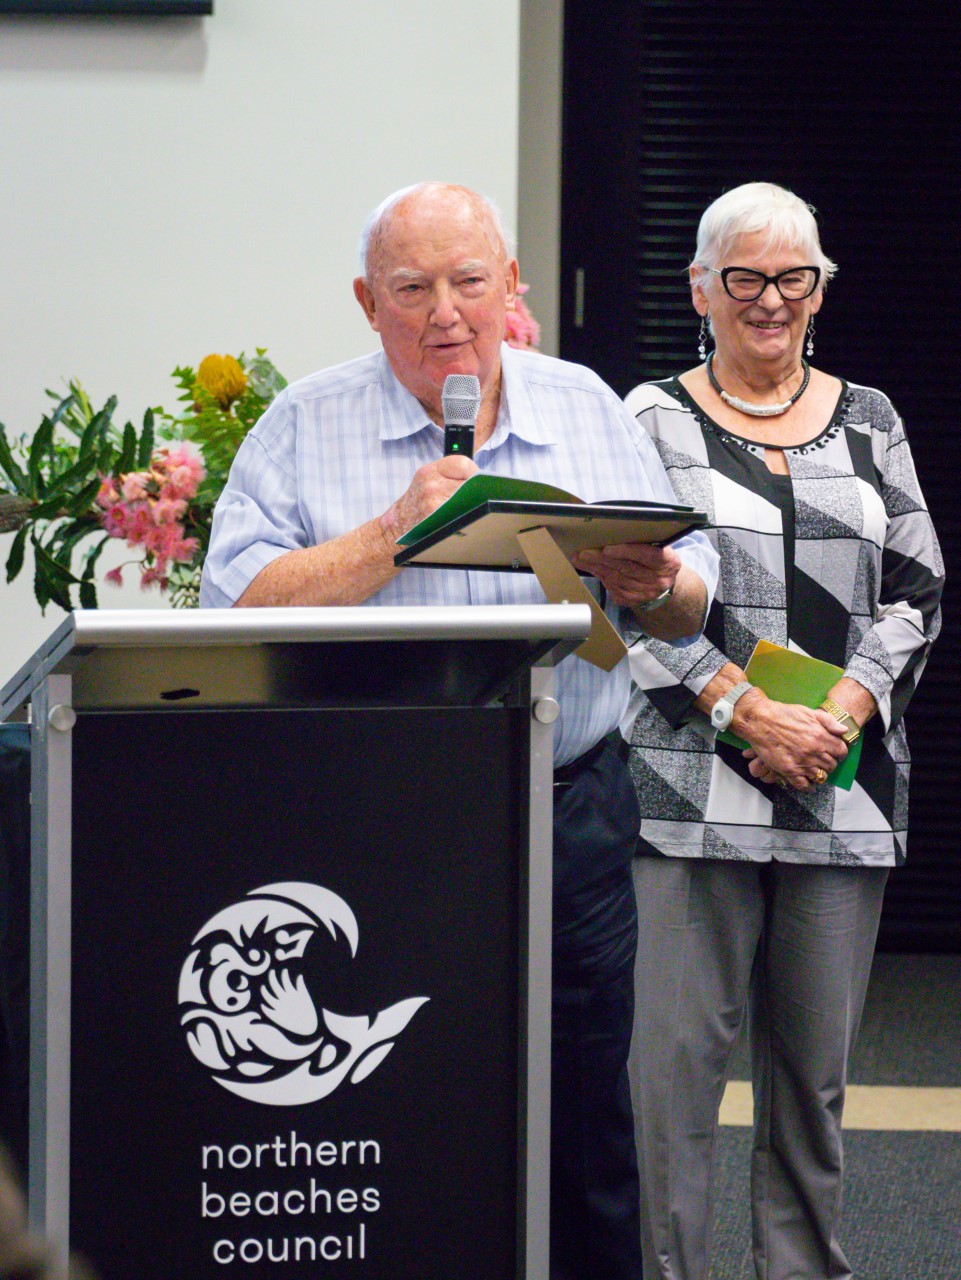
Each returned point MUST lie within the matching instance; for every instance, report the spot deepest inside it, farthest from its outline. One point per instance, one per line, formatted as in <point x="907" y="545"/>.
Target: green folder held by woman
<point x="788" y="676"/>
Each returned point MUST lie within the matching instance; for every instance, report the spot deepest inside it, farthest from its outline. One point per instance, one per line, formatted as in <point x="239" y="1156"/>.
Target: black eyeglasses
<point x="745" y="285"/>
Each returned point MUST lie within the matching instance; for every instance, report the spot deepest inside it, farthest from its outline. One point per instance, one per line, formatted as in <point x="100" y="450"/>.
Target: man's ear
<point x="513" y="279"/>
<point x="365" y="296"/>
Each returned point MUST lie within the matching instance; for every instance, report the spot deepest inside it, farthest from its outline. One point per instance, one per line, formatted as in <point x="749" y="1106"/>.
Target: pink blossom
<point x="115" y="520"/>
<point x="181" y="483"/>
<point x="186" y="454"/>
<point x="115" y="576"/>
<point x="184" y="470"/>
<point x="133" y="486"/>
<point x="152" y="575"/>
<point x="106" y="494"/>
<point x="523" y="331"/>
<point x="138" y="525"/>
<point x="168" y="510"/>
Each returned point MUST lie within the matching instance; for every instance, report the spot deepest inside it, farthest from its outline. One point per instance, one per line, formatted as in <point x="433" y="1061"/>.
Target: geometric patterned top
<point x="839" y="561"/>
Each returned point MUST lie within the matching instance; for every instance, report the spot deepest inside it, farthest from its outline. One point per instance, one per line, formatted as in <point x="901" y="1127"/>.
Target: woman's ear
<point x="698" y="296"/>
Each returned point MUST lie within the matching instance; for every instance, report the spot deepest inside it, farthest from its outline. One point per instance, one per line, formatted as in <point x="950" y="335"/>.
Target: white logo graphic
<point x="248" y="1013"/>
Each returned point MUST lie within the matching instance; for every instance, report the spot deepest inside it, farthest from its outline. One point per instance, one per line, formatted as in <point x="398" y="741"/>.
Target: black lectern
<point x="290" y="940"/>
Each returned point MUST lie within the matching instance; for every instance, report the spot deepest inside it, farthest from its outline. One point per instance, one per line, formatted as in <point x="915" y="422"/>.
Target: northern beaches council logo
<point x="246" y="1009"/>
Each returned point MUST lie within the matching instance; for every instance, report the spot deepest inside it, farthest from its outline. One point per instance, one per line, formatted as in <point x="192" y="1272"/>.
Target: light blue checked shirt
<point x="336" y="449"/>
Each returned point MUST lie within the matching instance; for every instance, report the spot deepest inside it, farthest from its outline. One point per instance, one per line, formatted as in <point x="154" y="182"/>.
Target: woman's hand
<point x="788" y="741"/>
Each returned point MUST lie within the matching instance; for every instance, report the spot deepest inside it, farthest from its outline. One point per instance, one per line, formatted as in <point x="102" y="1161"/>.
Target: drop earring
<point x="702" y="339"/>
<point x="809" y="349"/>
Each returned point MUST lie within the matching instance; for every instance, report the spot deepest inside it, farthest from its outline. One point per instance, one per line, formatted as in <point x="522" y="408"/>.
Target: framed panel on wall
<point x="148" y="8"/>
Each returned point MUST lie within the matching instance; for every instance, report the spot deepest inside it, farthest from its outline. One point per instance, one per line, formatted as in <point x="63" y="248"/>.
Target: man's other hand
<point x="633" y="573"/>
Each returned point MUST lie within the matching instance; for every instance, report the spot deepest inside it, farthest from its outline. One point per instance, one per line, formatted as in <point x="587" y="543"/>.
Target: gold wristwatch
<point x="852" y="730"/>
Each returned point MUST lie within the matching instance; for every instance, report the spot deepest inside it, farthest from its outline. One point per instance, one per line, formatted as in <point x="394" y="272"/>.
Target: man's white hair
<point x="760" y="207"/>
<point x="378" y="217"/>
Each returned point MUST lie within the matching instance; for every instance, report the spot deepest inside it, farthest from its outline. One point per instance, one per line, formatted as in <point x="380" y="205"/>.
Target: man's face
<point x="438" y="291"/>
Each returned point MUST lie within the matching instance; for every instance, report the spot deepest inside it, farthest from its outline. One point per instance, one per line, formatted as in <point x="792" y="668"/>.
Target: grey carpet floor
<point x="902" y="1216"/>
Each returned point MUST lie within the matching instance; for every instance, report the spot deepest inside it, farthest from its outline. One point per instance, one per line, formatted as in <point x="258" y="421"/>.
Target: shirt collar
<point x="405" y="415"/>
<point x="517" y="415"/>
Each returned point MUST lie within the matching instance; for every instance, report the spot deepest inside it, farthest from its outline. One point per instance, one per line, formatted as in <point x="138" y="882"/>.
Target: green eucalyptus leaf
<point x="67" y="480"/>
<point x="63" y="408"/>
<point x="17" y="477"/>
<point x="93" y="555"/>
<point x="128" y="454"/>
<point x="108" y="456"/>
<point x="145" y="448"/>
<point x="73" y="532"/>
<point x="88" y="594"/>
<point x="84" y="500"/>
<point x="56" y="572"/>
<point x="49" y="509"/>
<point x="59" y="592"/>
<point x="40" y="588"/>
<point x="88" y="437"/>
<point x="38" y="450"/>
<point x="15" y="558"/>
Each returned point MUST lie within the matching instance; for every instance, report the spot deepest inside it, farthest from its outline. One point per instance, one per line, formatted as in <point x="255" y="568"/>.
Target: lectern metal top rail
<point x="140" y="658"/>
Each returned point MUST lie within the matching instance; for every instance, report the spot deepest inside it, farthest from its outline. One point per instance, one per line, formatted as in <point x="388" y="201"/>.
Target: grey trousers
<point x="792" y="945"/>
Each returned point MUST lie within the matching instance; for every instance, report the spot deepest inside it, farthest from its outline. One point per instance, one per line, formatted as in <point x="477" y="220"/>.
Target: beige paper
<point x="562" y="584"/>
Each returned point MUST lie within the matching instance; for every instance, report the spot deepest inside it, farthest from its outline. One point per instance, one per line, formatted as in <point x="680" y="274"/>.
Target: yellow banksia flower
<point x="223" y="378"/>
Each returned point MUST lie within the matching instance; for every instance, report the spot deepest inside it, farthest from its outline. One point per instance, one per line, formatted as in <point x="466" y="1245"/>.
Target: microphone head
<point x="461" y="398"/>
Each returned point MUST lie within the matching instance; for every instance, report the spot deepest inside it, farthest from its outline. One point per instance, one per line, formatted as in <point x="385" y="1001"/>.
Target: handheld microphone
<point x="460" y="400"/>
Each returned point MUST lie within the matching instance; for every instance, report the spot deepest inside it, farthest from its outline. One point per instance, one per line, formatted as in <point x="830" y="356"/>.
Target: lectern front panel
<point x="295" y="993"/>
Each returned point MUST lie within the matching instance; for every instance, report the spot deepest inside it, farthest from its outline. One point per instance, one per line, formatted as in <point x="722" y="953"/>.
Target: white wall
<point x="181" y="186"/>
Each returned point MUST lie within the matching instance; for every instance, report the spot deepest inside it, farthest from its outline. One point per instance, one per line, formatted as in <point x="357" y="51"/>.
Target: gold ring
<point x="820" y="775"/>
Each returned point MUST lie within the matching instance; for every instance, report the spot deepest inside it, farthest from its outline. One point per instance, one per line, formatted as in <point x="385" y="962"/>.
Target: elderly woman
<point x="759" y="884"/>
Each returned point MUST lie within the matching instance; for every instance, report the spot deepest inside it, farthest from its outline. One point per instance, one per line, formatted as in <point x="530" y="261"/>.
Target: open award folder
<point x="510" y="525"/>
<point x="788" y="676"/>
<point x="477" y="527"/>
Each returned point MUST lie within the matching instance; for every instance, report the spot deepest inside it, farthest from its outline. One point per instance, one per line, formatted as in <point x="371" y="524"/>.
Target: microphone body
<point x="460" y="400"/>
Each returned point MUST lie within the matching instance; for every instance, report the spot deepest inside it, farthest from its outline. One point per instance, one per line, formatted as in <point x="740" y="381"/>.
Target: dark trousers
<point x="595" y="1228"/>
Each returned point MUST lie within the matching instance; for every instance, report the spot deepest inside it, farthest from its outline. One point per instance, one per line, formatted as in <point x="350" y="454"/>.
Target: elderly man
<point x="346" y="461"/>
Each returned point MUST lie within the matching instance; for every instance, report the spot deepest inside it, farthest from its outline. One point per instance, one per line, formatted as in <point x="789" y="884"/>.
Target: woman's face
<point x="767" y="331"/>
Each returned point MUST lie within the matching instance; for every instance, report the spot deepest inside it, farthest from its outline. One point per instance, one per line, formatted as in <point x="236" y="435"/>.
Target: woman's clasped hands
<point x="791" y="745"/>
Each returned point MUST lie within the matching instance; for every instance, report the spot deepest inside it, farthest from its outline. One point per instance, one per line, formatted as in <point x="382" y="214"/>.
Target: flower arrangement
<point x="81" y="480"/>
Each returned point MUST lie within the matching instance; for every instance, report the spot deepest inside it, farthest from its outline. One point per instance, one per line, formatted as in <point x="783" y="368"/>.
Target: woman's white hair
<point x="379" y="218"/>
<point x="760" y="207"/>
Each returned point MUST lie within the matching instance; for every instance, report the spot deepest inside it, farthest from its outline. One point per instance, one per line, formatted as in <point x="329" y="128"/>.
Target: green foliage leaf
<point x="147" y="436"/>
<point x="51" y="581"/>
<point x="88" y="588"/>
<point x="88" y="594"/>
<point x="128" y="454"/>
<point x="15" y="558"/>
<point x="40" y="589"/>
<point x="47" y="510"/>
<point x="38" y="449"/>
<point x="73" y="479"/>
<point x="58" y="572"/>
<point x="71" y="533"/>
<point x="16" y="476"/>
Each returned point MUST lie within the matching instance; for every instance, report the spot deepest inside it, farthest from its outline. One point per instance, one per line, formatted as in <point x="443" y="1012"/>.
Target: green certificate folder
<point x="478" y="526"/>
<point x="787" y="676"/>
